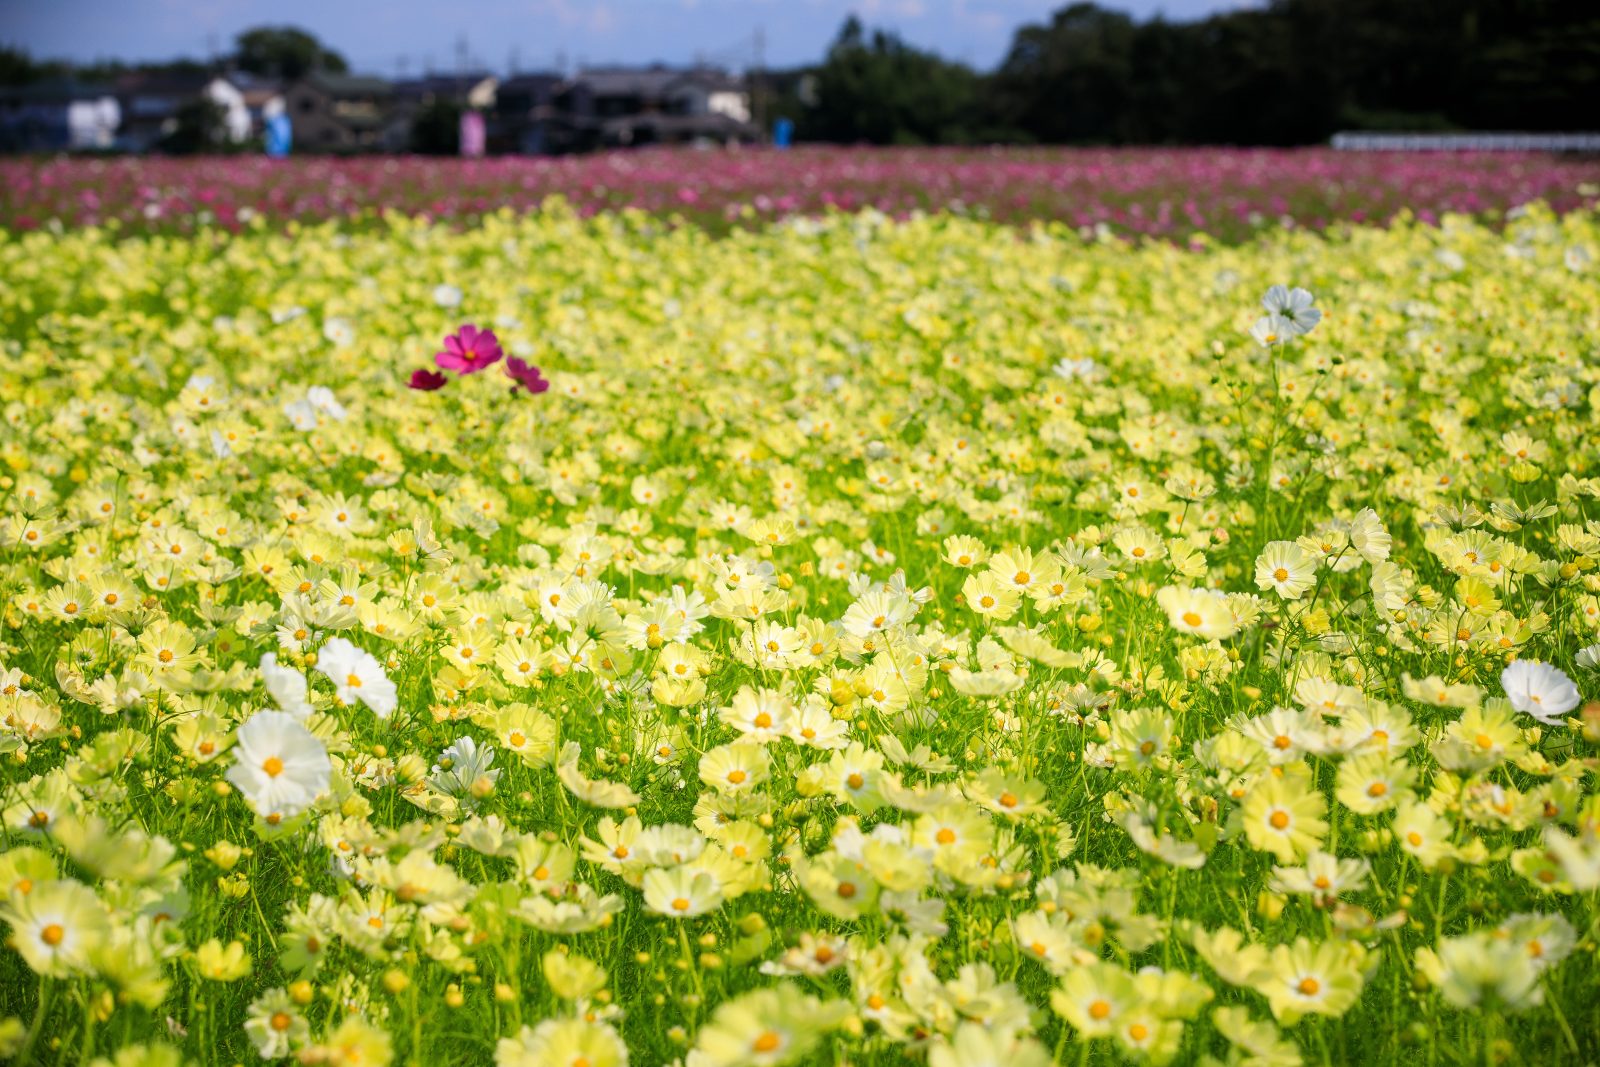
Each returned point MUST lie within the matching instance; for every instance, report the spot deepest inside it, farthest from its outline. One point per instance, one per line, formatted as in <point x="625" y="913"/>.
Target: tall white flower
<point x="356" y="675"/>
<point x="1368" y="537"/>
<point x="1292" y="308"/>
<point x="462" y="767"/>
<point x="279" y="765"/>
<point x="1543" y="691"/>
<point x="286" y="686"/>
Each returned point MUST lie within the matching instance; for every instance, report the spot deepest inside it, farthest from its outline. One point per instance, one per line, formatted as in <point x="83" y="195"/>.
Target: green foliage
<point x="876" y="88"/>
<point x="200" y="128"/>
<point x="436" y="129"/>
<point x="285" y="52"/>
<point x="1289" y="74"/>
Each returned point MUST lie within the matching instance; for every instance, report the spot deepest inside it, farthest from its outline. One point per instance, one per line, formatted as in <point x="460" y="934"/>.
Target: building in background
<point x="343" y="113"/>
<point x="618" y="107"/>
<point x="155" y="105"/>
<point x="523" y="112"/>
<point x="196" y="110"/>
<point x="58" y="115"/>
<point x="474" y="89"/>
<point x="262" y="97"/>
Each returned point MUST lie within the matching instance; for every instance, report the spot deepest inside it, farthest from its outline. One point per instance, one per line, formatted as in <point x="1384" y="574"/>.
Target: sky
<point x="395" y="37"/>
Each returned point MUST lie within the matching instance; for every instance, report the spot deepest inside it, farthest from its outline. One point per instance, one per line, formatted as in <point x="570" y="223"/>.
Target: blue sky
<point x="377" y="37"/>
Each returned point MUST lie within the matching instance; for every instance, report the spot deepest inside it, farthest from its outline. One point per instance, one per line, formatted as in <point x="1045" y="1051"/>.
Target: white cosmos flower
<point x="356" y="675"/>
<point x="340" y="331"/>
<point x="286" y="686"/>
<point x="301" y="414"/>
<point x="1292" y="308"/>
<point x="1368" y="536"/>
<point x="447" y="296"/>
<point x="56" y="926"/>
<point x="993" y="683"/>
<point x="1270" y="330"/>
<point x="322" y="399"/>
<point x="279" y="765"/>
<point x="1085" y="369"/>
<point x="462" y="765"/>
<point x="1539" y="689"/>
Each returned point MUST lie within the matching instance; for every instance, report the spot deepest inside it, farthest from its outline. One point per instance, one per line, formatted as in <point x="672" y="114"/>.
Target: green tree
<point x="199" y="128"/>
<point x="436" y="129"/>
<point x="877" y="89"/>
<point x="284" y="52"/>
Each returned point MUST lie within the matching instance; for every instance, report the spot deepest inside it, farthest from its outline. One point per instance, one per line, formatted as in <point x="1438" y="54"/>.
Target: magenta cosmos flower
<point x="526" y="375"/>
<point x="469" y="350"/>
<point x="426" y="380"/>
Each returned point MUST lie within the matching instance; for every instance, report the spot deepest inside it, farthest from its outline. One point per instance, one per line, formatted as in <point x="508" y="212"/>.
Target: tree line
<point x="1292" y="72"/>
<point x="284" y="52"/>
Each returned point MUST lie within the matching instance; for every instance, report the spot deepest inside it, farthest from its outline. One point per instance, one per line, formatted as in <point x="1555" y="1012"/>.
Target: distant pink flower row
<point x="1164" y="192"/>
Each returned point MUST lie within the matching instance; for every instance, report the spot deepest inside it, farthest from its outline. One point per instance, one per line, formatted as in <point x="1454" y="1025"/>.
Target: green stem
<point x="46" y="989"/>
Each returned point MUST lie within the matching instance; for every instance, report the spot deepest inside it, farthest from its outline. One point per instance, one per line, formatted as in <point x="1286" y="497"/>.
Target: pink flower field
<point x="1227" y="193"/>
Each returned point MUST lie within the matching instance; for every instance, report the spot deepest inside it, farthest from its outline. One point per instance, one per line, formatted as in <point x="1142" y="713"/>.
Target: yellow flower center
<point x="273" y="766"/>
<point x="52" y="934"/>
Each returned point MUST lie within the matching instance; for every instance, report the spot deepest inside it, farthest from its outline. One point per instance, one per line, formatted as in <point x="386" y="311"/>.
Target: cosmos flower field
<point x="567" y="639"/>
<point x="1169" y="193"/>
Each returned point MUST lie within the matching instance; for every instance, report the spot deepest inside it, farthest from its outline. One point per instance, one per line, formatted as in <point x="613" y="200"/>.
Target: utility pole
<point x="755" y="76"/>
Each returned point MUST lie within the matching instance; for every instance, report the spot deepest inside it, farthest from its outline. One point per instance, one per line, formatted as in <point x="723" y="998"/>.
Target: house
<point x="709" y="92"/>
<point x="153" y="101"/>
<point x="621" y="107"/>
<point x="261" y="97"/>
<point x="56" y="115"/>
<point x="524" y="113"/>
<point x="344" y="113"/>
<point x="474" y="89"/>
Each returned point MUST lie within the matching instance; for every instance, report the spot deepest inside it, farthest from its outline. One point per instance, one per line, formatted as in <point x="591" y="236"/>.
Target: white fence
<point x="1467" y="142"/>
